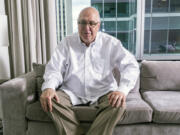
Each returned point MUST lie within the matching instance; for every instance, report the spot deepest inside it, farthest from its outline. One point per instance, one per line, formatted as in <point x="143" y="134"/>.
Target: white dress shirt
<point x="85" y="73"/>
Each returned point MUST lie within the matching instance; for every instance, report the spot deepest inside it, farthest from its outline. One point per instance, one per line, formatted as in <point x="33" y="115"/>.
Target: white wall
<point x="2" y="7"/>
<point x="4" y="41"/>
<point x="4" y="44"/>
<point x="77" y="6"/>
<point x="69" y="28"/>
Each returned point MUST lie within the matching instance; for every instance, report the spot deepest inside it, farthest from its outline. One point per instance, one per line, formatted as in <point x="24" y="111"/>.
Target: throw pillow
<point x="39" y="70"/>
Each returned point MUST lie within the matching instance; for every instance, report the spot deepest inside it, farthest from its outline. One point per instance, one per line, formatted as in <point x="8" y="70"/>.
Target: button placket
<point x="87" y="66"/>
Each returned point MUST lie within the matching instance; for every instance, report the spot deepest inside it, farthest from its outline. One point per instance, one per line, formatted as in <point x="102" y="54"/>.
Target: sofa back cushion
<point x="160" y="75"/>
<point x="39" y="70"/>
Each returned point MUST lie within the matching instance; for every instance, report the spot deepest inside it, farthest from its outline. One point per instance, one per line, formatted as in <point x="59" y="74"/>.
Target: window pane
<point x="174" y="41"/>
<point x="174" y="35"/>
<point x="132" y="42"/>
<point x="147" y="35"/>
<point x="123" y="9"/>
<point x="118" y="18"/>
<point x="160" y="23"/>
<point x="174" y="22"/>
<point x="110" y="8"/>
<point x="112" y="33"/>
<point x="159" y="34"/>
<point x="109" y="26"/>
<point x="162" y="27"/>
<point x="123" y="26"/>
<point x="124" y="39"/>
<point x="147" y="41"/>
<point x="148" y="6"/>
<point x="158" y="41"/>
<point x="160" y="6"/>
<point x="175" y="5"/>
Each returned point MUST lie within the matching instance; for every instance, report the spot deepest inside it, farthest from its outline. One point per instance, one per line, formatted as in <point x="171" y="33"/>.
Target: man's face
<point x="88" y="26"/>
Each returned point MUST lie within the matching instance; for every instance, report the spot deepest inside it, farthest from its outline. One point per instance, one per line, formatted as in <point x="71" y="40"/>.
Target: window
<point x="150" y="29"/>
<point x="118" y="18"/>
<point x="63" y="18"/>
<point x="162" y="28"/>
<point x="60" y="19"/>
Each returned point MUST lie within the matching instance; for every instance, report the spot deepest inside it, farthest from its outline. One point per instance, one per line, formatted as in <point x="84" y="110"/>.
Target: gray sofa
<point x="152" y="109"/>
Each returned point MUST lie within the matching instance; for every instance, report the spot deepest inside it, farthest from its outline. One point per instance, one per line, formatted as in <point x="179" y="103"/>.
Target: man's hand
<point x="46" y="98"/>
<point x="117" y="99"/>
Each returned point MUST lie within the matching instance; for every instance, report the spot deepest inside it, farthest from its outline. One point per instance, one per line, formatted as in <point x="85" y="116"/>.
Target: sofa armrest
<point x="15" y="95"/>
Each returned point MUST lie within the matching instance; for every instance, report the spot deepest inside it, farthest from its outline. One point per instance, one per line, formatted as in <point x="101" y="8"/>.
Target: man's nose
<point x="87" y="26"/>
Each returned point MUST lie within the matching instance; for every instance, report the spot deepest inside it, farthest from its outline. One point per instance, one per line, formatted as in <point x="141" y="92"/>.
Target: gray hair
<point x="99" y="20"/>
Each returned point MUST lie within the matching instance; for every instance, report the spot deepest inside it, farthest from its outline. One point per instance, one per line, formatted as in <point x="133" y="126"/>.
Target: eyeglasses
<point x="91" y="24"/>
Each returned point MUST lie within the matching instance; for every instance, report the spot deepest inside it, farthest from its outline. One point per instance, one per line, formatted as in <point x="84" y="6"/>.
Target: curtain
<point x="32" y="33"/>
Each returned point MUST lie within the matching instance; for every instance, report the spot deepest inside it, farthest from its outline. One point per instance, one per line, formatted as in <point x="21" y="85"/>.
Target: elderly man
<point x="80" y="72"/>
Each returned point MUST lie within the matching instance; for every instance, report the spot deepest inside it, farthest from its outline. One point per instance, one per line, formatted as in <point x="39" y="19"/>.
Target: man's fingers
<point x="44" y="105"/>
<point x="49" y="102"/>
<point x="119" y="101"/>
<point x="56" y="98"/>
<point x="123" y="102"/>
<point x="115" y="99"/>
<point x="111" y="98"/>
<point x="109" y="95"/>
<point x="46" y="99"/>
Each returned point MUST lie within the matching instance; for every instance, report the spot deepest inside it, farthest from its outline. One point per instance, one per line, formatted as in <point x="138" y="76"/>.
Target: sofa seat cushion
<point x="165" y="104"/>
<point x="35" y="112"/>
<point x="137" y="111"/>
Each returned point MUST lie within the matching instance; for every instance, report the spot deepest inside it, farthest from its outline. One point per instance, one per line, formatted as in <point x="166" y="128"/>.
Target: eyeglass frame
<point x="91" y="24"/>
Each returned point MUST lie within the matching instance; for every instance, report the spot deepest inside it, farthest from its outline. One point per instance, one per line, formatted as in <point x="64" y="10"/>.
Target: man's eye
<point x="92" y="23"/>
<point x="84" y="23"/>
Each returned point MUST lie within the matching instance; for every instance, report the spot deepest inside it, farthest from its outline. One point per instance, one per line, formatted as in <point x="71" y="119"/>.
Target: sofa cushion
<point x="35" y="112"/>
<point x="39" y="70"/>
<point x="165" y="104"/>
<point x="160" y="75"/>
<point x="137" y="111"/>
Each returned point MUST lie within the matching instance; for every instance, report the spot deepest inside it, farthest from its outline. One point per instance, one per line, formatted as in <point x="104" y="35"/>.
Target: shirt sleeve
<point x="55" y="68"/>
<point x="128" y="67"/>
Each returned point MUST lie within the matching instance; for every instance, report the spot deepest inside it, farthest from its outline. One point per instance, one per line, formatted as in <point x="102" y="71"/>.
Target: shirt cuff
<point x="123" y="89"/>
<point x="49" y="84"/>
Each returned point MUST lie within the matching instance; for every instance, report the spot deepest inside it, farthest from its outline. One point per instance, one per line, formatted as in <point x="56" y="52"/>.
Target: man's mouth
<point x="87" y="34"/>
